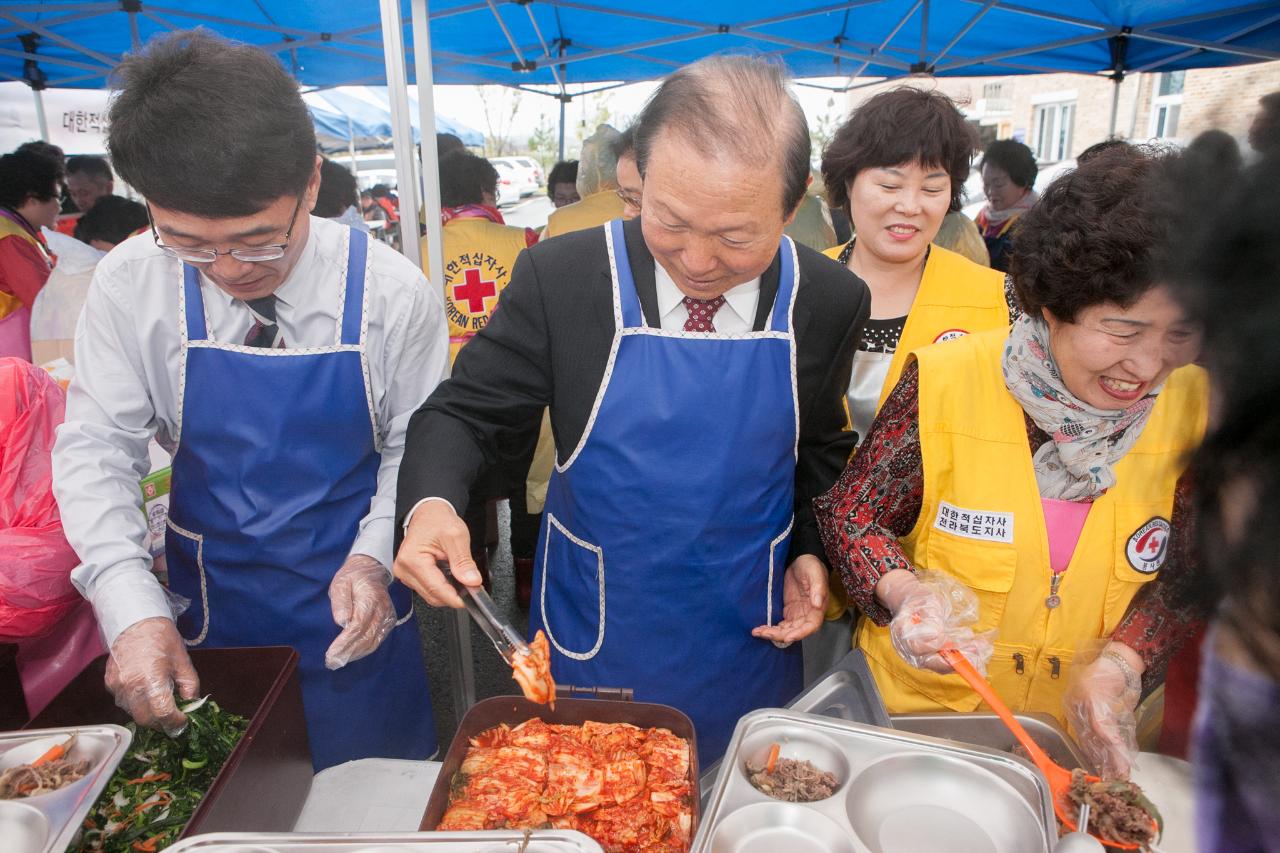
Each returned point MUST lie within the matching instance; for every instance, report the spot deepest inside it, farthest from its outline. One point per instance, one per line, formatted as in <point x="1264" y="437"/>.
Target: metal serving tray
<point x="898" y="793"/>
<point x="496" y="841"/>
<point x="49" y="822"/>
<point x="513" y="710"/>
<point x="988" y="730"/>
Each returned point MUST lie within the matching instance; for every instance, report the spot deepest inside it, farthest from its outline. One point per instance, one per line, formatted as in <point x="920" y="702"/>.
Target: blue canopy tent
<point x="544" y="45"/>
<point x="371" y="123"/>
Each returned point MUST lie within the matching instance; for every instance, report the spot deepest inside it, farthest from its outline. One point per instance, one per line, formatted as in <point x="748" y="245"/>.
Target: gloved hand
<point x="148" y="659"/>
<point x="932" y="610"/>
<point x="1100" y="702"/>
<point x="362" y="606"/>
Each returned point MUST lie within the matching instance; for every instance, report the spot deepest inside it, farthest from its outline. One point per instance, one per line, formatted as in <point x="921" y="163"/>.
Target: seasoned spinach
<point x="161" y="781"/>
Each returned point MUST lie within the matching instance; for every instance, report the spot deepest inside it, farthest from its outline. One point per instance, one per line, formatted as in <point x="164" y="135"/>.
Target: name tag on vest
<point x="974" y="523"/>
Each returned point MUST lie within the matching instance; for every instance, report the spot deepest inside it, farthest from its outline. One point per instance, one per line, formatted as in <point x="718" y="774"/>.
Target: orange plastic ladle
<point x="1058" y="777"/>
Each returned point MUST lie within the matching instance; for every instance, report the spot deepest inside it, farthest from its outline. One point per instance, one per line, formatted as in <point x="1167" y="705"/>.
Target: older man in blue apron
<point x="277" y="356"/>
<point x="695" y="362"/>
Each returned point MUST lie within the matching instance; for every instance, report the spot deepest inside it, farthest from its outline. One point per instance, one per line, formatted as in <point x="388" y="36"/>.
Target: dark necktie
<point x="702" y="313"/>
<point x="265" y="333"/>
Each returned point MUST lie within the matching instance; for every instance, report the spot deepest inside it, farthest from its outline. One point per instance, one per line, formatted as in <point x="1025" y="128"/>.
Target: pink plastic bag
<point x="35" y="559"/>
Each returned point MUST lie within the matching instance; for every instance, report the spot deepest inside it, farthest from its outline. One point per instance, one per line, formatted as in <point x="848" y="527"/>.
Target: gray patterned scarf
<point x="1077" y="464"/>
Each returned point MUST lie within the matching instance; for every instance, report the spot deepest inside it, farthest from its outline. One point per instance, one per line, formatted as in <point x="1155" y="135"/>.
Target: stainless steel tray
<point x="47" y="823"/>
<point x="847" y="691"/>
<point x="898" y="793"/>
<point x="495" y="841"/>
<point x="987" y="730"/>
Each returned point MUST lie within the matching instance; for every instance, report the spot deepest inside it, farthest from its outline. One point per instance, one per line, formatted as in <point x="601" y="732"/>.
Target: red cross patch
<point x="473" y="291"/>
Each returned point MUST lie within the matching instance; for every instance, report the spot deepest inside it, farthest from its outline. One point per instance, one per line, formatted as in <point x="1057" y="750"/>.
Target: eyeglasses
<point x="273" y="252"/>
<point x="630" y="199"/>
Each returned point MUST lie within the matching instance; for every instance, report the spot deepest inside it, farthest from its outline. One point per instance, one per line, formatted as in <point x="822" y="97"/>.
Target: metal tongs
<point x="504" y="636"/>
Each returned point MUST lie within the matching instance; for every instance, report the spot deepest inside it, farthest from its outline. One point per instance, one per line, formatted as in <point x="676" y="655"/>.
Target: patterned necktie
<point x="702" y="313"/>
<point x="265" y="333"/>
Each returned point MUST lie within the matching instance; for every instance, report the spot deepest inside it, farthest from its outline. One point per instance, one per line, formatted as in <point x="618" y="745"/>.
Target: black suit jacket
<point x="549" y="340"/>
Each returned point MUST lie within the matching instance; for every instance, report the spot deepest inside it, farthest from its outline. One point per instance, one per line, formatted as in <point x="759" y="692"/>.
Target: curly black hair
<point x="465" y="178"/>
<point x="903" y="125"/>
<point x="1016" y="159"/>
<point x="1097" y="235"/>
<point x="26" y="174"/>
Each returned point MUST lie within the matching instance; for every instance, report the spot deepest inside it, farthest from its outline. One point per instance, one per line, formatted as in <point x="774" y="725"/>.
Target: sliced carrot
<point x="150" y="777"/>
<point x="148" y="846"/>
<point x="772" y="761"/>
<point x="52" y="754"/>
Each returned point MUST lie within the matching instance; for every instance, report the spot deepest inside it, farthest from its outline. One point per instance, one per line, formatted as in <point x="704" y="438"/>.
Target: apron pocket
<point x="572" y="599"/>
<point x="188" y="547"/>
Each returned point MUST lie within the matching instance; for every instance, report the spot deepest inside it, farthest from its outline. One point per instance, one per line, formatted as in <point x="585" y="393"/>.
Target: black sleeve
<point x="501" y="382"/>
<point x="826" y="441"/>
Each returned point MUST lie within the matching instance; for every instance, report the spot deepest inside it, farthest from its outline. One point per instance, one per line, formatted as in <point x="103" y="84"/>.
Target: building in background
<point x="1059" y="115"/>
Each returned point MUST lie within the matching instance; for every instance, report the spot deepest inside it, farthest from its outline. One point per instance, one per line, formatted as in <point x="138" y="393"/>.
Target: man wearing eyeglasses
<point x="278" y="356"/>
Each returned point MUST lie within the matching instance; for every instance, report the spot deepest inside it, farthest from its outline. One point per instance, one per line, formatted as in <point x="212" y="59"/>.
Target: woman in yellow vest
<point x="480" y="250"/>
<point x="479" y="247"/>
<point x="30" y="186"/>
<point x="1023" y="486"/>
<point x="896" y="167"/>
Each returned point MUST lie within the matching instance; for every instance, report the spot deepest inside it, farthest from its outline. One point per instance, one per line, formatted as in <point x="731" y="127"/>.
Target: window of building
<point x="1166" y="104"/>
<point x="993" y="90"/>
<point x="1052" y="126"/>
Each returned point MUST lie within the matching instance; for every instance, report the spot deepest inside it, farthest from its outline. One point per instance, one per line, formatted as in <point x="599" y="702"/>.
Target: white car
<point x="527" y="174"/>
<point x="508" y="184"/>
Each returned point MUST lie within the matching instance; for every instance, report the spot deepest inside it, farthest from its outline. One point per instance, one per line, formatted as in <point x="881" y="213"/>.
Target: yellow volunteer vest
<point x="591" y="212"/>
<point x="956" y="297"/>
<point x="478" y="257"/>
<point x="8" y="228"/>
<point x="981" y="521"/>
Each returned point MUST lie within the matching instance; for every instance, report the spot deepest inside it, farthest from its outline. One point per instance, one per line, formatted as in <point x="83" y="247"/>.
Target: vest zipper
<point x="1020" y="662"/>
<point x="1055" y="666"/>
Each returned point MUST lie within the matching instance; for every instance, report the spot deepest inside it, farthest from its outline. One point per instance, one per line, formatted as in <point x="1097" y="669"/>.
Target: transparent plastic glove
<point x="932" y="610"/>
<point x="362" y="606"/>
<point x="1100" y="702"/>
<point x="148" y="660"/>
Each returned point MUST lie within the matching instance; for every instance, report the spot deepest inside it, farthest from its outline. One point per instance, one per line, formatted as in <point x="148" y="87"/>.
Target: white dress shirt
<point x="128" y="357"/>
<point x="736" y="316"/>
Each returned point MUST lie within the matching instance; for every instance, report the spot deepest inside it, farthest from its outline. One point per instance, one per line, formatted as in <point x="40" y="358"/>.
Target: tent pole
<point x="40" y="119"/>
<point x="561" y="157"/>
<point x="351" y="145"/>
<point x="401" y="130"/>
<point x="430" y="154"/>
<point x="1115" y="105"/>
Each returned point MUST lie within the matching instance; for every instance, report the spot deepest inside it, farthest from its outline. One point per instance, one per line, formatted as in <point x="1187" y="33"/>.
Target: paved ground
<point x="492" y="675"/>
<point x="531" y="212"/>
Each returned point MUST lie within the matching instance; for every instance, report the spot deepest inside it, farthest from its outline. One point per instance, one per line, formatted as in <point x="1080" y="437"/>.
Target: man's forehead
<point x="269" y="220"/>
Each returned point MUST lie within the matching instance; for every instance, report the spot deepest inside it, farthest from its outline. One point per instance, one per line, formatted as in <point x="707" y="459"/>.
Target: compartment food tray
<point x="496" y="841"/>
<point x="988" y="730"/>
<point x="48" y="822"/>
<point x="898" y="793"/>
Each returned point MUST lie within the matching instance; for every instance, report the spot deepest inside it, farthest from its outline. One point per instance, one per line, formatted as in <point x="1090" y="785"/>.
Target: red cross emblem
<point x="474" y="290"/>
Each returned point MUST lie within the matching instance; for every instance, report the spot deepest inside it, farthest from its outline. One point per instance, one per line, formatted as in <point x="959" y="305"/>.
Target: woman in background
<point x="1008" y="175"/>
<point x="30" y="193"/>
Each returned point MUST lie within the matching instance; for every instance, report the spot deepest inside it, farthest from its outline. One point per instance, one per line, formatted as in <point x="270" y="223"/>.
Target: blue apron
<point x="666" y="531"/>
<point x="277" y="461"/>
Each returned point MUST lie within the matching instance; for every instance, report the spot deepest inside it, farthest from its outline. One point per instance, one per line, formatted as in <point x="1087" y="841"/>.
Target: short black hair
<point x="209" y="127"/>
<point x="465" y="178"/>
<point x="24" y="175"/>
<point x="1015" y="159"/>
<point x="89" y="165"/>
<point x="742" y="105"/>
<point x="45" y="149"/>
<point x="1098" y="234"/>
<point x="111" y="219"/>
<point x="338" y="190"/>
<point x="902" y="125"/>
<point x="564" y="172"/>
<point x="446" y="143"/>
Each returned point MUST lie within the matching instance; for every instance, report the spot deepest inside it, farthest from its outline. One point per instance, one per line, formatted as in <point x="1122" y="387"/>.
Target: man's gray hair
<point x="741" y="105"/>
